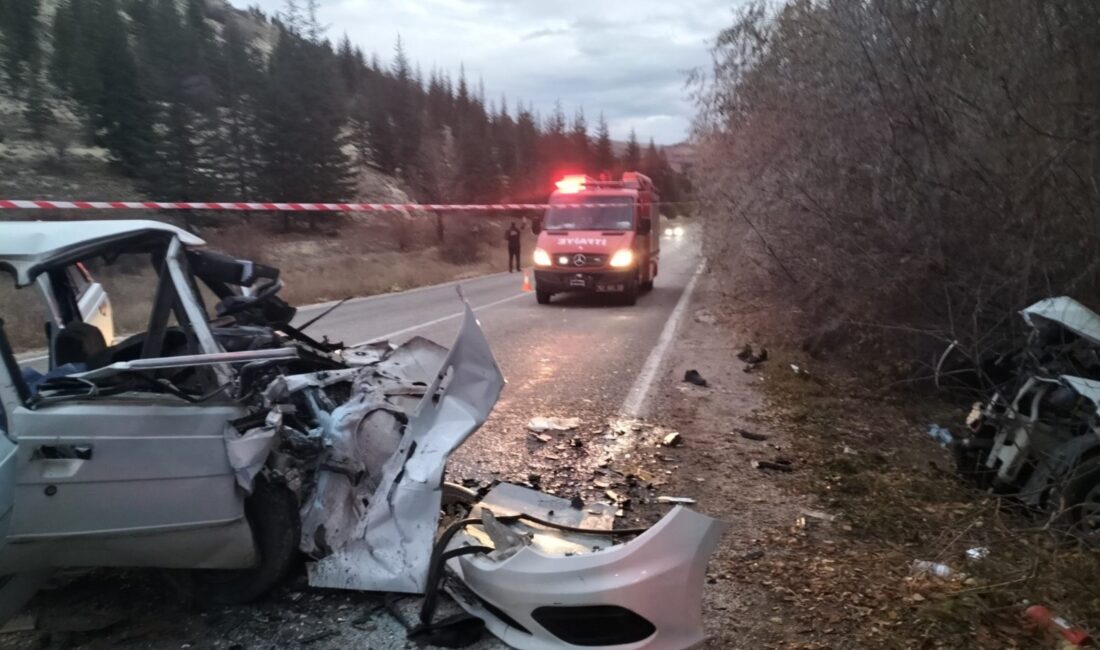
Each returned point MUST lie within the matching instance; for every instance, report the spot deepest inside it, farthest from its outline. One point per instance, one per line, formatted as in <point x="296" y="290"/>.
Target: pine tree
<point x="121" y="114"/>
<point x="603" y="158"/>
<point x="580" y="154"/>
<point x="302" y="121"/>
<point x="20" y="45"/>
<point x="632" y="157"/>
<point x="233" y="147"/>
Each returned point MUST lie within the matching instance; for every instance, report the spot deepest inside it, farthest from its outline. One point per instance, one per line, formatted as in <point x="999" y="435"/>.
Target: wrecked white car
<point x="221" y="437"/>
<point x="1038" y="436"/>
<point x="224" y="441"/>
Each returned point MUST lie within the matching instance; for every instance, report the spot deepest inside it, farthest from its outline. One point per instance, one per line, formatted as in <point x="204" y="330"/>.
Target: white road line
<point x="635" y="399"/>
<point x="442" y="319"/>
<point x="360" y="299"/>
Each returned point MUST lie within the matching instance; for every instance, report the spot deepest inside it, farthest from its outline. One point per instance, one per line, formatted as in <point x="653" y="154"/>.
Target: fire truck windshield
<point x="610" y="213"/>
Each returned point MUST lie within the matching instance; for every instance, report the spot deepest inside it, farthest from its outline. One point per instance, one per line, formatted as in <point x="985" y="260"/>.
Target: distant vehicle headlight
<point x="678" y="231"/>
<point x="541" y="258"/>
<point x="668" y="232"/>
<point x="624" y="257"/>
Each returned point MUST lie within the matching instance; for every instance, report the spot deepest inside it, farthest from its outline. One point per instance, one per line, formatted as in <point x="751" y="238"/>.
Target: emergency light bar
<point x="574" y="183"/>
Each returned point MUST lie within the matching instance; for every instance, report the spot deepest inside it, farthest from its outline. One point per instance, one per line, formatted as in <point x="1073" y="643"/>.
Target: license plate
<point x="577" y="282"/>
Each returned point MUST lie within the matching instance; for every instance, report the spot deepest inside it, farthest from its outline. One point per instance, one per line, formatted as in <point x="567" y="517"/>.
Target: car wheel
<point x="1078" y="502"/>
<point x="272" y="512"/>
<point x="543" y="297"/>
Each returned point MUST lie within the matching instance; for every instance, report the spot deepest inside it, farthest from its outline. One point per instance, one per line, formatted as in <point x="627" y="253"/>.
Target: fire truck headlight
<point x="541" y="257"/>
<point x="622" y="258"/>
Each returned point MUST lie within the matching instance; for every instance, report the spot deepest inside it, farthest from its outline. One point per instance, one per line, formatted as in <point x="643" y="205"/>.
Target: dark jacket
<point x="513" y="238"/>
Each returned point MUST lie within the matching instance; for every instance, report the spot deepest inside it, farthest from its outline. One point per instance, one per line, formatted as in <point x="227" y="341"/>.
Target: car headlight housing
<point x="624" y="257"/>
<point x="541" y="258"/>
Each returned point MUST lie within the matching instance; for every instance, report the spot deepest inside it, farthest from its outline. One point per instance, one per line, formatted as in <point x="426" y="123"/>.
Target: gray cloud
<point x="628" y="59"/>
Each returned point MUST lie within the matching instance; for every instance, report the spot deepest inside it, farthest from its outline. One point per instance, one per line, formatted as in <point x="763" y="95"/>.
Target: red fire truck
<point x="598" y="236"/>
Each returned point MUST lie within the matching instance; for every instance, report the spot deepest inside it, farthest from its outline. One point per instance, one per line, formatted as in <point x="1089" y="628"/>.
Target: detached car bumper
<point x="594" y="281"/>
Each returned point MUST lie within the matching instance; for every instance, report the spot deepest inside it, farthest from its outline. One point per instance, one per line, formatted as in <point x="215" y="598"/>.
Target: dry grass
<point x="865" y="454"/>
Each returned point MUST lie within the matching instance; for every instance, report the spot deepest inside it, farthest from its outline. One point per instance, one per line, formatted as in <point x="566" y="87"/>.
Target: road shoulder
<point x="724" y="429"/>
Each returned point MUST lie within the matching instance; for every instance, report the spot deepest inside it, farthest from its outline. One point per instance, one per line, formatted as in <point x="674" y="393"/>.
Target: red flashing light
<point x="571" y="184"/>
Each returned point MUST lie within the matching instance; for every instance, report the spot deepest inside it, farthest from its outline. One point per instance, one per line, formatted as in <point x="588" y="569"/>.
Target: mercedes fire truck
<point x="598" y="236"/>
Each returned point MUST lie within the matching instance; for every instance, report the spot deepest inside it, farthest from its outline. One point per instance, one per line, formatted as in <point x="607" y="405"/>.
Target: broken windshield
<point x="607" y="213"/>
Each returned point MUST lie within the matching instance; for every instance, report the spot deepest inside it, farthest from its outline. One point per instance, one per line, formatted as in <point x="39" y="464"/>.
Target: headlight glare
<point x="541" y="258"/>
<point x="624" y="257"/>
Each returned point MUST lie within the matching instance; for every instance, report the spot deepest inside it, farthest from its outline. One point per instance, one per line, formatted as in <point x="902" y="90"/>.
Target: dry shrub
<point x="906" y="172"/>
<point x="463" y="240"/>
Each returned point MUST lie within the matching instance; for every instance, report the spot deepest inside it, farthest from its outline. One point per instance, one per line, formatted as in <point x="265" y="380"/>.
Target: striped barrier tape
<point x="285" y="207"/>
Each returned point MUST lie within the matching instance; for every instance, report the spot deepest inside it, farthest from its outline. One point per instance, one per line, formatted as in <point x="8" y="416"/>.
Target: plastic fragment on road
<point x="693" y="377"/>
<point x="925" y="567"/>
<point x="749" y="435"/>
<point x="377" y="534"/>
<point x="672" y="440"/>
<point x="680" y="501"/>
<point x="977" y="553"/>
<point x="777" y="465"/>
<point x="541" y="424"/>
<point x="650" y="586"/>
<point x="940" y="435"/>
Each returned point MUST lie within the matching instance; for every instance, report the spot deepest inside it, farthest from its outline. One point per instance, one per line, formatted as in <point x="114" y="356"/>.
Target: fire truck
<point x="597" y="236"/>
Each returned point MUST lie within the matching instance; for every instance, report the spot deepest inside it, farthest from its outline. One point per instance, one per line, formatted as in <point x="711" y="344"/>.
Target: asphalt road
<point x="581" y="356"/>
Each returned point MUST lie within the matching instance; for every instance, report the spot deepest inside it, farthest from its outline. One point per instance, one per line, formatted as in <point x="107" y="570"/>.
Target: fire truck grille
<point x="578" y="260"/>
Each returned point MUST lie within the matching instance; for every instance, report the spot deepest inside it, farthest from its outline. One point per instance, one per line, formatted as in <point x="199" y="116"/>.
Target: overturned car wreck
<point x="1038" y="435"/>
<point x="225" y="441"/>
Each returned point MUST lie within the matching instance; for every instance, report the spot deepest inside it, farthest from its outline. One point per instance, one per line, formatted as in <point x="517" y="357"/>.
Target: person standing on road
<point x="513" y="247"/>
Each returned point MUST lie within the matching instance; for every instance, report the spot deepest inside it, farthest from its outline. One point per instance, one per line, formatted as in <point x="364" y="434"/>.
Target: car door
<point x="139" y="479"/>
<point x="92" y="301"/>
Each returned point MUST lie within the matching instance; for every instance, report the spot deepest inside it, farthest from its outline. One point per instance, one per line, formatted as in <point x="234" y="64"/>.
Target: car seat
<point x="82" y="343"/>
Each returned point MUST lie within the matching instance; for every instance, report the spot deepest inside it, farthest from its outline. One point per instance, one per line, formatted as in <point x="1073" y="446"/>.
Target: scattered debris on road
<point x="673" y="439"/>
<point x="778" y="465"/>
<point x="705" y="317"/>
<point x="683" y="501"/>
<point x="749" y="435"/>
<point x="542" y="424"/>
<point x="693" y="377"/>
<point x="748" y="356"/>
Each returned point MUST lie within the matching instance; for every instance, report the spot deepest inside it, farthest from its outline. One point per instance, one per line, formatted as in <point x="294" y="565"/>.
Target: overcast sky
<point x="626" y="58"/>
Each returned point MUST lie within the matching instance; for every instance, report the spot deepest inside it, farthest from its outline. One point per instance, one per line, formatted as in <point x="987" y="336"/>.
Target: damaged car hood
<point x="370" y="513"/>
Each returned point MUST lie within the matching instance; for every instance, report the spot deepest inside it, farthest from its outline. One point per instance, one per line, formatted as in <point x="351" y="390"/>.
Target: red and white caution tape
<point x="285" y="207"/>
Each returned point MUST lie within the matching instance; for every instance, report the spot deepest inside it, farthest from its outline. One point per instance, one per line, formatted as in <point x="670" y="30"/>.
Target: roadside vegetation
<point x="899" y="175"/>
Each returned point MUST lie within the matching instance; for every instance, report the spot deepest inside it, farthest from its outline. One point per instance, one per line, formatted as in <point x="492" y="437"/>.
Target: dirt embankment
<point x="833" y="490"/>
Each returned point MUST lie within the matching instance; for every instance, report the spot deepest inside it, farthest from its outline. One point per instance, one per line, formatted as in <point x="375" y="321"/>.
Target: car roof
<point x="29" y="247"/>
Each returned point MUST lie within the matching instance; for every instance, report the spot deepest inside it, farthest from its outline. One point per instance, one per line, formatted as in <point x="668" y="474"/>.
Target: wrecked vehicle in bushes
<point x="223" y="441"/>
<point x="1038" y="436"/>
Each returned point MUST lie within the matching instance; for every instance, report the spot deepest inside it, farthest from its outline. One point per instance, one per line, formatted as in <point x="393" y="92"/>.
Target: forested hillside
<point x="197" y="100"/>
